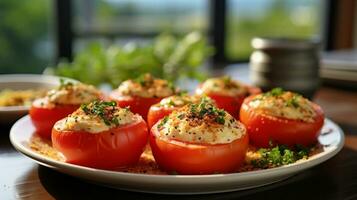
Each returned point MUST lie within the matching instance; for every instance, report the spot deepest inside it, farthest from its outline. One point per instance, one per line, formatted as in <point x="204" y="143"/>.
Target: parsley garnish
<point x="145" y="80"/>
<point x="163" y="122"/>
<point x="103" y="109"/>
<point x="229" y="83"/>
<point x="207" y="108"/>
<point x="220" y="120"/>
<point x="293" y="101"/>
<point x="182" y="93"/>
<point x="181" y="116"/>
<point x="171" y="103"/>
<point x="275" y="92"/>
<point x="65" y="83"/>
<point x="279" y="155"/>
<point x="227" y="80"/>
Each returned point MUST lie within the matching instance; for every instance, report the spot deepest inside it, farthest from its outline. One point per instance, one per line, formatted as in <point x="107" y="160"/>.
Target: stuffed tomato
<point x="199" y="139"/>
<point x="141" y="93"/>
<point x="169" y="104"/>
<point x="281" y="117"/>
<point x="227" y="93"/>
<point x="101" y="135"/>
<point x="58" y="103"/>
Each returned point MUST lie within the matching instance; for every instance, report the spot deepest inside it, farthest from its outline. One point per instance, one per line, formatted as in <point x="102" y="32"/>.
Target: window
<point x="120" y="20"/>
<point x="275" y="18"/>
<point x="25" y="40"/>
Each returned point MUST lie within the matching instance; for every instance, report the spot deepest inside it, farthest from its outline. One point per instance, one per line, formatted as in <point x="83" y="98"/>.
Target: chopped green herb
<point x="65" y="83"/>
<point x="279" y="155"/>
<point x="171" y="103"/>
<point x="293" y="101"/>
<point x="227" y="80"/>
<point x="163" y="122"/>
<point x="103" y="109"/>
<point x="205" y="107"/>
<point x="145" y="80"/>
<point x="181" y="116"/>
<point x="220" y="120"/>
<point x="182" y="93"/>
<point x="275" y="92"/>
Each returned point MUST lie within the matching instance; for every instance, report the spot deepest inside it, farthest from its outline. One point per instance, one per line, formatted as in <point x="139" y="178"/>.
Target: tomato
<point x="139" y="105"/>
<point x="44" y="118"/>
<point x="265" y="129"/>
<point x="231" y="104"/>
<point x="189" y="158"/>
<point x="157" y="112"/>
<point x="118" y="147"/>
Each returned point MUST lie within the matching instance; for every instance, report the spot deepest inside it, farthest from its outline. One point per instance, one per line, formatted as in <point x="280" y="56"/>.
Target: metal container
<point x="288" y="63"/>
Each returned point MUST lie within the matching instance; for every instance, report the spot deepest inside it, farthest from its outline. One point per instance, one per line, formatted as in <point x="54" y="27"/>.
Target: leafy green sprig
<point x="166" y="57"/>
<point x="280" y="155"/>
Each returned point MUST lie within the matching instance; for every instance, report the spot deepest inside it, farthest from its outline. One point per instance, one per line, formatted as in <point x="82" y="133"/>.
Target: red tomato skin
<point x="44" y="118"/>
<point x="118" y="147"/>
<point x="139" y="105"/>
<point x="228" y="103"/>
<point x="231" y="104"/>
<point x="264" y="129"/>
<point x="157" y="112"/>
<point x="188" y="158"/>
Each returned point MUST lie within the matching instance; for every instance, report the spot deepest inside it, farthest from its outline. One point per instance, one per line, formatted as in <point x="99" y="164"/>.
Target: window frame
<point x="216" y="31"/>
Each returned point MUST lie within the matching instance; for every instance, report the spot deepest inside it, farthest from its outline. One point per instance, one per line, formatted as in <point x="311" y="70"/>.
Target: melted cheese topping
<point x="182" y="126"/>
<point x="80" y="121"/>
<point x="223" y="86"/>
<point x="73" y="94"/>
<point x="147" y="87"/>
<point x="286" y="105"/>
<point x="181" y="100"/>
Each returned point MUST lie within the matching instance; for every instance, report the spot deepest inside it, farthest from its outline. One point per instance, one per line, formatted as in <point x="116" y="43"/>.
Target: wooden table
<point x="22" y="178"/>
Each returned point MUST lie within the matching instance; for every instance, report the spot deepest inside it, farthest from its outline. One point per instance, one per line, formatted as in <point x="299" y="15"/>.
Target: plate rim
<point x="318" y="158"/>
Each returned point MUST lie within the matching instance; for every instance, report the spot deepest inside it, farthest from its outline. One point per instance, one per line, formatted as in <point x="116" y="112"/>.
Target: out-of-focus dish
<point x="10" y="97"/>
<point x="17" y="91"/>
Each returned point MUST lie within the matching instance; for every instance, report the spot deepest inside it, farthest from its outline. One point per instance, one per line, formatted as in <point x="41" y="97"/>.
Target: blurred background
<point x="36" y="34"/>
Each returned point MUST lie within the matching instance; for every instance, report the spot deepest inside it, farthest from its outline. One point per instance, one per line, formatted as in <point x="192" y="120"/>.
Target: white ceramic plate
<point x="23" y="82"/>
<point x="332" y="140"/>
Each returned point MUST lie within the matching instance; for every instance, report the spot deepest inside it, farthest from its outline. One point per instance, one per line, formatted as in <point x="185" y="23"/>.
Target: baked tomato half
<point x="136" y="104"/>
<point x="227" y="93"/>
<point x="268" y="130"/>
<point x="118" y="146"/>
<point x="60" y="102"/>
<point x="190" y="158"/>
<point x="199" y="139"/>
<point x="140" y="93"/>
<point x="43" y="118"/>
<point x="157" y="112"/>
<point x="169" y="104"/>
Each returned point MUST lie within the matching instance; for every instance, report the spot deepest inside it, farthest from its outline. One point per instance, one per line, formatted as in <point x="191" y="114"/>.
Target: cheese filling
<point x="69" y="93"/>
<point x="285" y="105"/>
<point x="181" y="100"/>
<point x="223" y="86"/>
<point x="147" y="87"/>
<point x="96" y="117"/>
<point x="200" y="123"/>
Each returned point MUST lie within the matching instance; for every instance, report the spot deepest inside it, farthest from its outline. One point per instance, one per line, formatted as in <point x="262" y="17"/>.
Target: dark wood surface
<point x="22" y="178"/>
